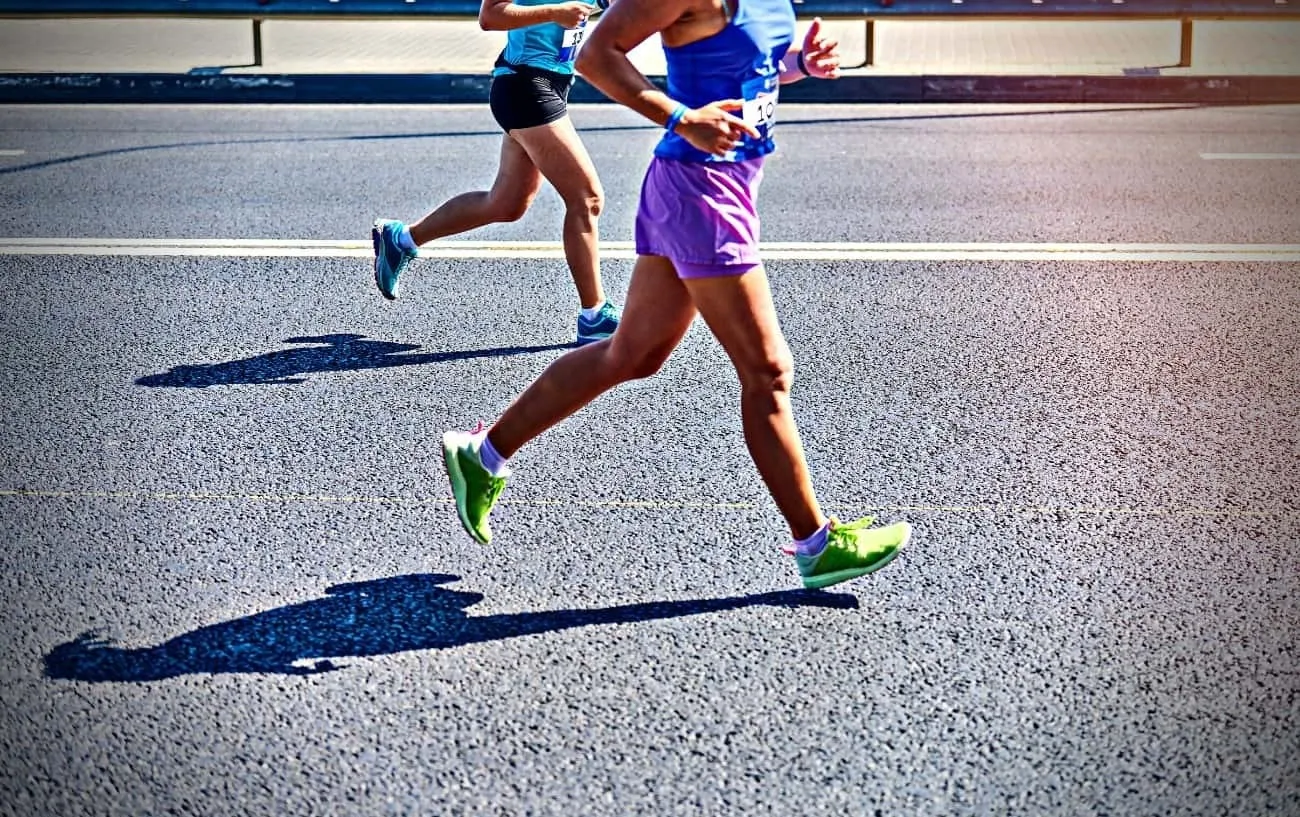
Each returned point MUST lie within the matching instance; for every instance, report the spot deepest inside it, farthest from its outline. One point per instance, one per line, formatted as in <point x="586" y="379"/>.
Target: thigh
<point x="656" y="314"/>
<point x="517" y="177"/>
<point x="558" y="152"/>
<point x="739" y="311"/>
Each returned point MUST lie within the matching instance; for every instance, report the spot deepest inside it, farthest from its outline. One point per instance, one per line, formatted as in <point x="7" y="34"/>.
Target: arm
<point x="504" y="15"/>
<point x="604" y="62"/>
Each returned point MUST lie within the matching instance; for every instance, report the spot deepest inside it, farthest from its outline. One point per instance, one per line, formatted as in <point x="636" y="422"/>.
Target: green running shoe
<point x="852" y="550"/>
<point x="390" y="259"/>
<point x="475" y="488"/>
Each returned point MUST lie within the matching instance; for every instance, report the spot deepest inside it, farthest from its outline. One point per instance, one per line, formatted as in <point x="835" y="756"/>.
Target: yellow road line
<point x="961" y="510"/>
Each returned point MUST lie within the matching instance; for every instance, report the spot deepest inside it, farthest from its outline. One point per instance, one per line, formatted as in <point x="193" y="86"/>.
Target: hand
<point x="713" y="130"/>
<point x="821" y="55"/>
<point x="571" y="15"/>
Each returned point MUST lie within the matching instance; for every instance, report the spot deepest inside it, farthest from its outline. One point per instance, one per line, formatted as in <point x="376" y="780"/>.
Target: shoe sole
<point x="450" y="447"/>
<point x="826" y="580"/>
<point x="377" y="238"/>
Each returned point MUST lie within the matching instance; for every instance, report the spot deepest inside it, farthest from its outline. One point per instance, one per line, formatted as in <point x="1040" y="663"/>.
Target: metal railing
<point x="869" y="11"/>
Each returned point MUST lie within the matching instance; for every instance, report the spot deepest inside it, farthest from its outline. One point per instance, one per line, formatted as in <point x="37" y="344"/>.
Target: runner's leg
<point x="557" y="151"/>
<point x="516" y="185"/>
<point x="657" y="315"/>
<point x="739" y="311"/>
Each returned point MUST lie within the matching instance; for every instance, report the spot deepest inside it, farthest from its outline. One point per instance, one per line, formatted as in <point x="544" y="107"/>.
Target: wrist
<point x="803" y="68"/>
<point x="675" y="118"/>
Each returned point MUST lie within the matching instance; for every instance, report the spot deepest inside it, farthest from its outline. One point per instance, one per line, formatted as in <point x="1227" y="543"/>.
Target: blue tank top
<point x="547" y="46"/>
<point x="742" y="61"/>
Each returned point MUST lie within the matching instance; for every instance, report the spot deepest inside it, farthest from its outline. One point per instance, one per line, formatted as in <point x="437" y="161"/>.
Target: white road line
<point x="1282" y="157"/>
<point x="776" y="251"/>
<point x="12" y="152"/>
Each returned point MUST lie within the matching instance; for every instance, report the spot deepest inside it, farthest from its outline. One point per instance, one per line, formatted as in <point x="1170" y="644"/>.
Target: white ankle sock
<point x="405" y="241"/>
<point x="492" y="461"/>
<point x="813" y="544"/>
<point x="590" y="313"/>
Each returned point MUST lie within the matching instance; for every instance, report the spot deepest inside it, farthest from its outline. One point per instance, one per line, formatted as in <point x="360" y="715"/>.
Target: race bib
<point x="570" y="43"/>
<point x="761" y="111"/>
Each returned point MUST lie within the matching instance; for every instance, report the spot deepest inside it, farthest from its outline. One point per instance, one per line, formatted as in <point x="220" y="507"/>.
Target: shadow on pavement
<point x="379" y="617"/>
<point x="326" y="353"/>
<point x="1070" y="109"/>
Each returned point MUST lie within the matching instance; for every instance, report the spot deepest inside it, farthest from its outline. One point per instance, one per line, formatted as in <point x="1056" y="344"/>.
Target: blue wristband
<point x="676" y="118"/>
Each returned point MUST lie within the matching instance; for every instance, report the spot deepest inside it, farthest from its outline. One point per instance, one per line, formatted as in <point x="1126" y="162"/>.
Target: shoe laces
<point x="842" y="533"/>
<point x="493" y="489"/>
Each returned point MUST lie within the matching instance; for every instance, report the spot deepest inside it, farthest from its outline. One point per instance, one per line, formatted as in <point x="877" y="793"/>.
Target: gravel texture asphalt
<point x="231" y="580"/>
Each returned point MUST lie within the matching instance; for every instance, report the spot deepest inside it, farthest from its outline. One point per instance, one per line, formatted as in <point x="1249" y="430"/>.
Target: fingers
<point x="579" y="11"/>
<point x="812" y="38"/>
<point x="716" y="131"/>
<point x="817" y="49"/>
<point x="821" y="54"/>
<point x="742" y="125"/>
<point x="736" y="123"/>
<point x="823" y="65"/>
<point x="821" y="47"/>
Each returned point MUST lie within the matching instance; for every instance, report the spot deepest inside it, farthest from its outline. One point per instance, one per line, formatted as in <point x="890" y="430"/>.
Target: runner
<point x="697" y="234"/>
<point x="529" y="99"/>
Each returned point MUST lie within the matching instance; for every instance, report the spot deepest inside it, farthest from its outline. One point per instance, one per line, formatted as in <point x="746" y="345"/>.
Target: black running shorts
<point x="529" y="97"/>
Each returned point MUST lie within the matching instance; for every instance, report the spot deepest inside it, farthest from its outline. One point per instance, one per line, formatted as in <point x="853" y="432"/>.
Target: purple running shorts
<point x="701" y="216"/>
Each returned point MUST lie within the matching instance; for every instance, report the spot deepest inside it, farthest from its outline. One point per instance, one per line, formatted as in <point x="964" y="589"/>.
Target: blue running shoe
<point x="600" y="327"/>
<point x="390" y="258"/>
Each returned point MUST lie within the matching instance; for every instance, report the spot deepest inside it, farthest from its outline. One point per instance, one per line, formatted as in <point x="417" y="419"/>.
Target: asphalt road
<point x="231" y="581"/>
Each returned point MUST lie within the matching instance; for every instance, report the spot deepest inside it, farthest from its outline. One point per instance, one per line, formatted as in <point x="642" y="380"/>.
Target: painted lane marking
<point x="13" y="152"/>
<point x="659" y="505"/>
<point x="1247" y="157"/>
<point x="777" y="251"/>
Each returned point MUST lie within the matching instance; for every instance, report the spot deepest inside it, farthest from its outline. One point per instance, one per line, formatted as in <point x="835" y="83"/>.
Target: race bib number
<point x="570" y="42"/>
<point x="761" y="111"/>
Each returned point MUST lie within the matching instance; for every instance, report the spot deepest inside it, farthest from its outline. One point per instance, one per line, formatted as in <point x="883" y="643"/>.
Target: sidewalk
<point x="420" y="61"/>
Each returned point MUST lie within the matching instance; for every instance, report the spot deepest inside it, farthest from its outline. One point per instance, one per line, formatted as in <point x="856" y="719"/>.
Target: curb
<point x="105" y="88"/>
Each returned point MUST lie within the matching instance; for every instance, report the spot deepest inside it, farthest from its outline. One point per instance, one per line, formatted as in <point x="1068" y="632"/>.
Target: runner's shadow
<point x="379" y="617"/>
<point x="325" y="353"/>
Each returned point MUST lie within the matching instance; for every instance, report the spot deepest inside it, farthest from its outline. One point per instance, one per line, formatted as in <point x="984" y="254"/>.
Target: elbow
<point x="488" y="21"/>
<point x="588" y="61"/>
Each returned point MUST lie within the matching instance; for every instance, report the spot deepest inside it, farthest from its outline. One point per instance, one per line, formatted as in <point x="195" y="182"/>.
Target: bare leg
<point x="657" y="314"/>
<point x="512" y="193"/>
<point x="739" y="311"/>
<point x="558" y="153"/>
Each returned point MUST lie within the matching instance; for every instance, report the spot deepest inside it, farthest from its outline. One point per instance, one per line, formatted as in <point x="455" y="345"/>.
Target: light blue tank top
<point x="742" y="61"/>
<point x="547" y="46"/>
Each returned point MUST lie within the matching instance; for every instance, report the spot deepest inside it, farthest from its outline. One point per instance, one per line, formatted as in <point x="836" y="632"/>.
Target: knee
<point x="769" y="377"/>
<point x="636" y="364"/>
<point x="510" y="209"/>
<point x="588" y="206"/>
